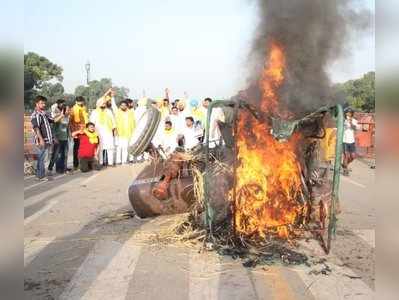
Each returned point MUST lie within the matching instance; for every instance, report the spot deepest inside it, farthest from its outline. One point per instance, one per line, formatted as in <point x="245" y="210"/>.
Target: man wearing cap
<point x="105" y="124"/>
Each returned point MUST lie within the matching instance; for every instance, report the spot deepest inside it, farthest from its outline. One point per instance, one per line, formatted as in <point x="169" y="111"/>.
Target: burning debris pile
<point x="280" y="190"/>
<point x="267" y="185"/>
<point x="268" y="189"/>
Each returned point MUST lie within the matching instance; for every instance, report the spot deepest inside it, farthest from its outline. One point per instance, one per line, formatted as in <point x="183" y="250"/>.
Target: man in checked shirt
<point x="43" y="135"/>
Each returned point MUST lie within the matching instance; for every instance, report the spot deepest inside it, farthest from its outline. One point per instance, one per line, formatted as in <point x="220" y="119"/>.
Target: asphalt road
<point x="77" y="247"/>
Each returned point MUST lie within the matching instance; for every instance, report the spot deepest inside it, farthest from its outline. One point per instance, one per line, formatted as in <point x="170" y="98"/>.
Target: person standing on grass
<point x="78" y="120"/>
<point x="125" y="124"/>
<point x="350" y="127"/>
<point x="44" y="139"/>
<point x="88" y="147"/>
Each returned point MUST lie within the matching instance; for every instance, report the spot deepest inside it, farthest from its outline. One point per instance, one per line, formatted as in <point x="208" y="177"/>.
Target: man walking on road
<point x="78" y="120"/>
<point x="350" y="126"/>
<point x="44" y="139"/>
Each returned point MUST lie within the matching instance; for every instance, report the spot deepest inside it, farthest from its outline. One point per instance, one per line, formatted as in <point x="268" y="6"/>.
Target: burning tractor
<point x="270" y="177"/>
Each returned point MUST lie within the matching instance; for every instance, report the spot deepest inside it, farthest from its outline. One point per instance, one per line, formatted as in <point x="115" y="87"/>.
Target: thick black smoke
<point x="314" y="33"/>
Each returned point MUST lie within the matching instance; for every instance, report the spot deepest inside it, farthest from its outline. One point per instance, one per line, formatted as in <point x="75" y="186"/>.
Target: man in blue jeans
<point x="41" y="120"/>
<point x="59" y="155"/>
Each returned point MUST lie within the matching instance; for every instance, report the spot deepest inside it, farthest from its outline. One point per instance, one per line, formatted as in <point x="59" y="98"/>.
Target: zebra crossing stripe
<point x="367" y="235"/>
<point x="342" y="283"/>
<point x="204" y="276"/>
<point x="33" y="248"/>
<point x="105" y="273"/>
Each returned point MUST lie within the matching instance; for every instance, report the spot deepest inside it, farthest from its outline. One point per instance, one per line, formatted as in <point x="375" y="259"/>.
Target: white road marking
<point x="353" y="182"/>
<point x="41" y="182"/>
<point x="105" y="273"/>
<point x="203" y="276"/>
<point x="234" y="281"/>
<point x="367" y="235"/>
<point x="34" y="248"/>
<point x="49" y="205"/>
<point x="34" y="185"/>
<point x="337" y="285"/>
<point x="36" y="215"/>
<point x="92" y="177"/>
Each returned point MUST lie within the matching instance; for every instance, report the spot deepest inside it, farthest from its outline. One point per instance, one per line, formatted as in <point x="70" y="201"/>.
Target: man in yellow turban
<point x="125" y="125"/>
<point x="104" y="120"/>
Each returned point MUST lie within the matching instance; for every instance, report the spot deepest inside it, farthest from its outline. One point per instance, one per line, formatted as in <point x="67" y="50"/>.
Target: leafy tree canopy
<point x="52" y="92"/>
<point x="38" y="69"/>
<point x="359" y="93"/>
<point x="97" y="88"/>
<point x="38" y="74"/>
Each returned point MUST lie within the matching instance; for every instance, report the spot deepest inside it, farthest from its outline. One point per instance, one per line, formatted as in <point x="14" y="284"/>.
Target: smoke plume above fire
<point x="313" y="33"/>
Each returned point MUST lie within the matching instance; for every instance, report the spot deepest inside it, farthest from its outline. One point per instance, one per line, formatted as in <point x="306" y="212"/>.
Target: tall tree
<point x="359" y="93"/>
<point x="38" y="70"/>
<point x="97" y="88"/>
<point x="69" y="98"/>
<point x="52" y="92"/>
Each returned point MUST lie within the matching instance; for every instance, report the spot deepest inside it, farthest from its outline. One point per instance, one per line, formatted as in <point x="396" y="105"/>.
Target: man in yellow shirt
<point x="77" y="121"/>
<point x="125" y="125"/>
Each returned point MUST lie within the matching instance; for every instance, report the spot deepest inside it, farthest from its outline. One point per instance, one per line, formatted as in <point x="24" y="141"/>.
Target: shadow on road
<point x="49" y="273"/>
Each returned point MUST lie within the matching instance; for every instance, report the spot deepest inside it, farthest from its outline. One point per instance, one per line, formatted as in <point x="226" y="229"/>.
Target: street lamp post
<point x="87" y="67"/>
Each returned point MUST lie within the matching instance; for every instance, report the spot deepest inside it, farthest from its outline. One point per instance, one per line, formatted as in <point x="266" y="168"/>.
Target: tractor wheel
<point x="146" y="128"/>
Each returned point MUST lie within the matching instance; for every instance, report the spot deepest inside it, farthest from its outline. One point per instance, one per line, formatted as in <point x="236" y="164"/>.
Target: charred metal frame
<point x="288" y="128"/>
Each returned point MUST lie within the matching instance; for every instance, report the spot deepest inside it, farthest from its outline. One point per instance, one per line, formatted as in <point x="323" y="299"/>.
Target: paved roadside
<point x="76" y="247"/>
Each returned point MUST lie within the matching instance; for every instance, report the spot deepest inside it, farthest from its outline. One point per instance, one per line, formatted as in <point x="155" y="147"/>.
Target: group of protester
<point x="102" y="138"/>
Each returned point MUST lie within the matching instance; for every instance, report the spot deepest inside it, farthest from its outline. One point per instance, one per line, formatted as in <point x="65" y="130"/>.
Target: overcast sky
<point x="194" y="46"/>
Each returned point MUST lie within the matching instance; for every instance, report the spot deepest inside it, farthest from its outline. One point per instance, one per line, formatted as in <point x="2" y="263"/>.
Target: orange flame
<point x="271" y="79"/>
<point x="268" y="178"/>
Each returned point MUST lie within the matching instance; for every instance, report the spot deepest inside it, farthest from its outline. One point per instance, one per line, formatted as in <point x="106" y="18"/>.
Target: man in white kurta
<point x="178" y="121"/>
<point x="166" y="138"/>
<point x="191" y="134"/>
<point x="105" y="123"/>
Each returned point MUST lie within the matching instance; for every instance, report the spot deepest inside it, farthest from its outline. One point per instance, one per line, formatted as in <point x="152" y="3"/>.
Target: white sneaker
<point x="41" y="179"/>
